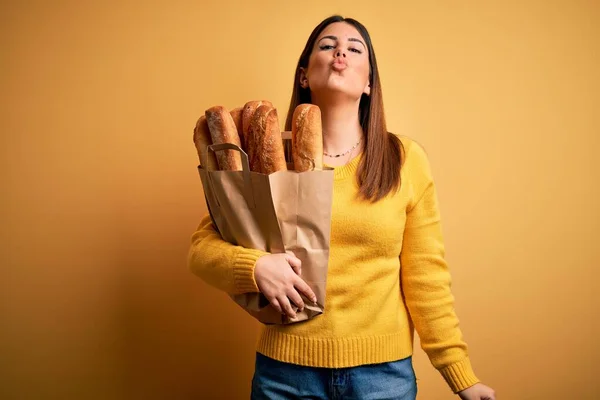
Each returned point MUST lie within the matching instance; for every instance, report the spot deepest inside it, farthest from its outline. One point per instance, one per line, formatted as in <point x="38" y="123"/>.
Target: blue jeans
<point x="276" y="380"/>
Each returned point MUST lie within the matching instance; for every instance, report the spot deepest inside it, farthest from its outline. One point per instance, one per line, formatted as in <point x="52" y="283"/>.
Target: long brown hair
<point x="379" y="169"/>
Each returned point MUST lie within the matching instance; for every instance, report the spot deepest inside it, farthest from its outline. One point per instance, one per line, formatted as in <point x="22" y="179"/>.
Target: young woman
<point x="387" y="273"/>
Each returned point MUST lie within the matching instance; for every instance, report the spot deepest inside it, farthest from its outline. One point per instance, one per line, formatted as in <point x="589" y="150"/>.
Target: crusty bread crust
<point x="307" y="138"/>
<point x="248" y="111"/>
<point x="222" y="130"/>
<point x="236" y="114"/>
<point x="202" y="139"/>
<point x="264" y="145"/>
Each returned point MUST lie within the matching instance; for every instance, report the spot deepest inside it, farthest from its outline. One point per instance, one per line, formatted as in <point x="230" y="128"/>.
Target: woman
<point x="386" y="270"/>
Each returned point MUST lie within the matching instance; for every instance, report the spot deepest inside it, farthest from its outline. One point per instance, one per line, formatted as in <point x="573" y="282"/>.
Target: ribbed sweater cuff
<point x="243" y="270"/>
<point x="459" y="375"/>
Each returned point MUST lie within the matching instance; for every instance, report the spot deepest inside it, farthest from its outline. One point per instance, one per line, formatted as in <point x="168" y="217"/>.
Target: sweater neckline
<point x="345" y="171"/>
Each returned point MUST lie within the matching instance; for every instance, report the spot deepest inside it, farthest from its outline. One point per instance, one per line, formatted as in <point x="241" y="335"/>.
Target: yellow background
<point x="100" y="192"/>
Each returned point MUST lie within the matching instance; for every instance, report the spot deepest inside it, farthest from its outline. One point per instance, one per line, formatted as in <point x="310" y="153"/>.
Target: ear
<point x="303" y="78"/>
<point x="367" y="89"/>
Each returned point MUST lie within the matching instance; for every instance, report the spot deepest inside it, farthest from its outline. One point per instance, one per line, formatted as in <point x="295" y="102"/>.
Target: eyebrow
<point x="349" y="39"/>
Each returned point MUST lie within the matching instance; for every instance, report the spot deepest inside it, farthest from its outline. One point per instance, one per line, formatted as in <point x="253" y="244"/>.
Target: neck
<point x="341" y="127"/>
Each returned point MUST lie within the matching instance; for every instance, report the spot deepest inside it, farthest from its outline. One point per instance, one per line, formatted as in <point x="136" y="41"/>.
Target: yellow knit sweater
<point x="387" y="274"/>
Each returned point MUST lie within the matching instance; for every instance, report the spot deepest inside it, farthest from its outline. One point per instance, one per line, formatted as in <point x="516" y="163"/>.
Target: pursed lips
<point x="339" y="64"/>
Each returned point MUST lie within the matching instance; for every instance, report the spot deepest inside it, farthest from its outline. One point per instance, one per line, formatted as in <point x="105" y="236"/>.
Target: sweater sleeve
<point x="426" y="279"/>
<point x="221" y="264"/>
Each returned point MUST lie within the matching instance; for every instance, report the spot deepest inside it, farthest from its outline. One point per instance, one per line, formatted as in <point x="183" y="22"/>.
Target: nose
<point x="339" y="53"/>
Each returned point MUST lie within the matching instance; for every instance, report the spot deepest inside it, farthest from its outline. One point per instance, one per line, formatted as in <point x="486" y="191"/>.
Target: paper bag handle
<point x="245" y="168"/>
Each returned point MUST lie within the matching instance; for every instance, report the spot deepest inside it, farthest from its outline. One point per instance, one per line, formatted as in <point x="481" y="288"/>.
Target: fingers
<point x="305" y="289"/>
<point x="295" y="263"/>
<point x="283" y="306"/>
<point x="282" y="288"/>
<point x="286" y="306"/>
<point x="275" y="304"/>
<point x="295" y="297"/>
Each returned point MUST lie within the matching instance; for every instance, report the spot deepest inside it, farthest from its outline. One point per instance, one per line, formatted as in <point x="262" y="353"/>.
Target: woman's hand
<point x="278" y="278"/>
<point x="477" y="392"/>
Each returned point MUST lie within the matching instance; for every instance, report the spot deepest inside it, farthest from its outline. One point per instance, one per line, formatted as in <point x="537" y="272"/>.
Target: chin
<point x="338" y="90"/>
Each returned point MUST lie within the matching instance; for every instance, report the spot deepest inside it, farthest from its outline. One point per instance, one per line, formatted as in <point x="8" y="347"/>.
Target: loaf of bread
<point x="202" y="140"/>
<point x="263" y="142"/>
<point x="248" y="111"/>
<point x="307" y="138"/>
<point x="236" y="114"/>
<point x="222" y="130"/>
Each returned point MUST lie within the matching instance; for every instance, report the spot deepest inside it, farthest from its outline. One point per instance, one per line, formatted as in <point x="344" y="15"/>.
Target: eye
<point x="326" y="47"/>
<point x="355" y="50"/>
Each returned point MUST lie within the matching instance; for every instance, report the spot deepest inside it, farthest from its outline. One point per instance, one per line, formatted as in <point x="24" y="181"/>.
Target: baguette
<point x="236" y="114"/>
<point x="307" y="138"/>
<point x="222" y="130"/>
<point x="247" y="113"/>
<point x="264" y="143"/>
<point x="202" y="140"/>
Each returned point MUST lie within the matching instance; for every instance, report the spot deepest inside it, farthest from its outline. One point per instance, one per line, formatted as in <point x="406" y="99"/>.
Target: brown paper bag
<point x="285" y="211"/>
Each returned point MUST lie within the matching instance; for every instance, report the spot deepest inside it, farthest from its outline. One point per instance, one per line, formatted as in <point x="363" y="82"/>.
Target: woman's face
<point x="339" y="63"/>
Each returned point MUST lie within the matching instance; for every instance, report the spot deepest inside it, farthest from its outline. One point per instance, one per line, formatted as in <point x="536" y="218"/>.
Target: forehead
<point x="341" y="30"/>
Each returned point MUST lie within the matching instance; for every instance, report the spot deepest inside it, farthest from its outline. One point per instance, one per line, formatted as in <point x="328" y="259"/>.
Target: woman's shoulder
<point x="415" y="167"/>
<point x="412" y="150"/>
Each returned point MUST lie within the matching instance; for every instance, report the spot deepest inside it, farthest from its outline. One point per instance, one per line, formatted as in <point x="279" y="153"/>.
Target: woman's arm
<point x="426" y="280"/>
<point x="221" y="264"/>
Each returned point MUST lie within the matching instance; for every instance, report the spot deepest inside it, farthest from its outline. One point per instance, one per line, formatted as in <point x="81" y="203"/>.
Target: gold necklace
<point x="344" y="153"/>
